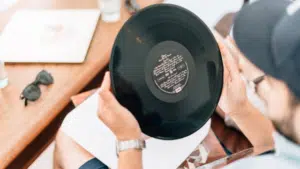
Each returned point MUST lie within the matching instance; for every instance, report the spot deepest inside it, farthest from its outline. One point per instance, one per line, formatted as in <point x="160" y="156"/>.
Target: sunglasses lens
<point x="44" y="78"/>
<point x="31" y="92"/>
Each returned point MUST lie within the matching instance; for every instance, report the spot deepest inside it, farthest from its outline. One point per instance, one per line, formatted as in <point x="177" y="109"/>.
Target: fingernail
<point x="228" y="43"/>
<point x="106" y="74"/>
<point x="99" y="90"/>
<point x="226" y="39"/>
<point x="229" y="37"/>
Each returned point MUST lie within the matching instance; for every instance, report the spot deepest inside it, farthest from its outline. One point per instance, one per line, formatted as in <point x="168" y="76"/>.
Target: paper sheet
<point x="83" y="125"/>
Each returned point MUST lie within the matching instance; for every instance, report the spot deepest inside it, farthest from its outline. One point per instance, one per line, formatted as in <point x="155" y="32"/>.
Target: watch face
<point x="167" y="71"/>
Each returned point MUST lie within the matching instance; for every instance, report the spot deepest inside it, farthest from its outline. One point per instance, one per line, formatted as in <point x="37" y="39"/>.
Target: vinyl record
<point x="167" y="70"/>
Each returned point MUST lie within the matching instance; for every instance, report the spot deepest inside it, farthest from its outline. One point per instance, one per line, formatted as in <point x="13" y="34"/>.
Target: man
<point x="268" y="33"/>
<point x="273" y="49"/>
<point x="70" y="155"/>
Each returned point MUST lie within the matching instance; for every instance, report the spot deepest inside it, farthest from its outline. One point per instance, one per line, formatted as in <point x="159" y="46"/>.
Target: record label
<point x="168" y="68"/>
<point x="171" y="73"/>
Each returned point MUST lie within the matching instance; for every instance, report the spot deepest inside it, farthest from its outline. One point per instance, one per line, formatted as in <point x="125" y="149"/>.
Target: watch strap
<point x="130" y="144"/>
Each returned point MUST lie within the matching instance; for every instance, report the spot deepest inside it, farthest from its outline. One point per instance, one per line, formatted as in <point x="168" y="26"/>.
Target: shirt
<point x="287" y="156"/>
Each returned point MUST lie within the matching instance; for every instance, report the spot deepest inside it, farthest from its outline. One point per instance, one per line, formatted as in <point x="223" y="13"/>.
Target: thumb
<point x="109" y="107"/>
<point x="106" y="83"/>
<point x="106" y="98"/>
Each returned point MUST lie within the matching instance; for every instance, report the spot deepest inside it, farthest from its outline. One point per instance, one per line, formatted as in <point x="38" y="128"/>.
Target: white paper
<point x="48" y="36"/>
<point x="83" y="125"/>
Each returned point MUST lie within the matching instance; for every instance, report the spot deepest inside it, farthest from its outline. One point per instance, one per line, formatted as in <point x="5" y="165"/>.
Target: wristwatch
<point x="130" y="144"/>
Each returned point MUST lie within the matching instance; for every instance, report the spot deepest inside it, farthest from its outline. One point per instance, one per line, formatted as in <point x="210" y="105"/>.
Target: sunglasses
<point x="32" y="92"/>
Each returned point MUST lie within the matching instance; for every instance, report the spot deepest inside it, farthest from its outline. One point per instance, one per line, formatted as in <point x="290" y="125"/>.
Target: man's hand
<point x="247" y="68"/>
<point x="234" y="102"/>
<point x="279" y="100"/>
<point x="121" y="122"/>
<point x="234" y="96"/>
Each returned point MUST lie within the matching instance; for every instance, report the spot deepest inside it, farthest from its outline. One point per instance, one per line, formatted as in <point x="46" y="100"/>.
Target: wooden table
<point x="19" y="125"/>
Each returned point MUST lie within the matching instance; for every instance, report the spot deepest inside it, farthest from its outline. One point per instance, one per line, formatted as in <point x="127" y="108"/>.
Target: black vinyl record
<point x="166" y="68"/>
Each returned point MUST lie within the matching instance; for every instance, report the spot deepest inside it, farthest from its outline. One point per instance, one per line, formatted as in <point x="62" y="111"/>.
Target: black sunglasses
<point x="32" y="92"/>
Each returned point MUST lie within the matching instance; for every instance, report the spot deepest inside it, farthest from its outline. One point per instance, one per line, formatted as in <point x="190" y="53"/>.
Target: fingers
<point x="249" y="70"/>
<point x="108" y="109"/>
<point x="226" y="75"/>
<point x="78" y="99"/>
<point x="231" y="44"/>
<point x="217" y="36"/>
<point x="108" y="100"/>
<point x="236" y="53"/>
<point x="227" y="57"/>
<point x="105" y="94"/>
<point x="220" y="42"/>
<point x="220" y="112"/>
<point x="108" y="104"/>
<point x="240" y="57"/>
<point x="106" y="82"/>
<point x="229" y="62"/>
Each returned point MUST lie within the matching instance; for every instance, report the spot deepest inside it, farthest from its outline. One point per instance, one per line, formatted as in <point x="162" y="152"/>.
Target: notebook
<point x="57" y="36"/>
<point x="83" y="126"/>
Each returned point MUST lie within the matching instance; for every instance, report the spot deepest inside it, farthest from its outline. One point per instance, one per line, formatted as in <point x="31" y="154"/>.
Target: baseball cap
<point x="268" y="33"/>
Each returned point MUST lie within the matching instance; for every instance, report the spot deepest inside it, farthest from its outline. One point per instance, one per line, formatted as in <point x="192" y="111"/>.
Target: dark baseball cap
<point x="268" y="33"/>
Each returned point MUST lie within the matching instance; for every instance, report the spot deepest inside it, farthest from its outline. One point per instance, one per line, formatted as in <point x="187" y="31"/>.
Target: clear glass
<point x="5" y="4"/>
<point x="110" y="10"/>
<point x="3" y="75"/>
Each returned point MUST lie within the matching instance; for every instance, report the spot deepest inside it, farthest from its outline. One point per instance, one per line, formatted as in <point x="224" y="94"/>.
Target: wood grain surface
<point x="19" y="125"/>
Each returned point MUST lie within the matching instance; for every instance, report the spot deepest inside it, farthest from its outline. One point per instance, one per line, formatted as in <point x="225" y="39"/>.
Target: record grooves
<point x="167" y="70"/>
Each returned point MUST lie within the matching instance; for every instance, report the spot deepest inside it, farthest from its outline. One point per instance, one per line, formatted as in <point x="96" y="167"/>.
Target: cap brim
<point x="253" y="28"/>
